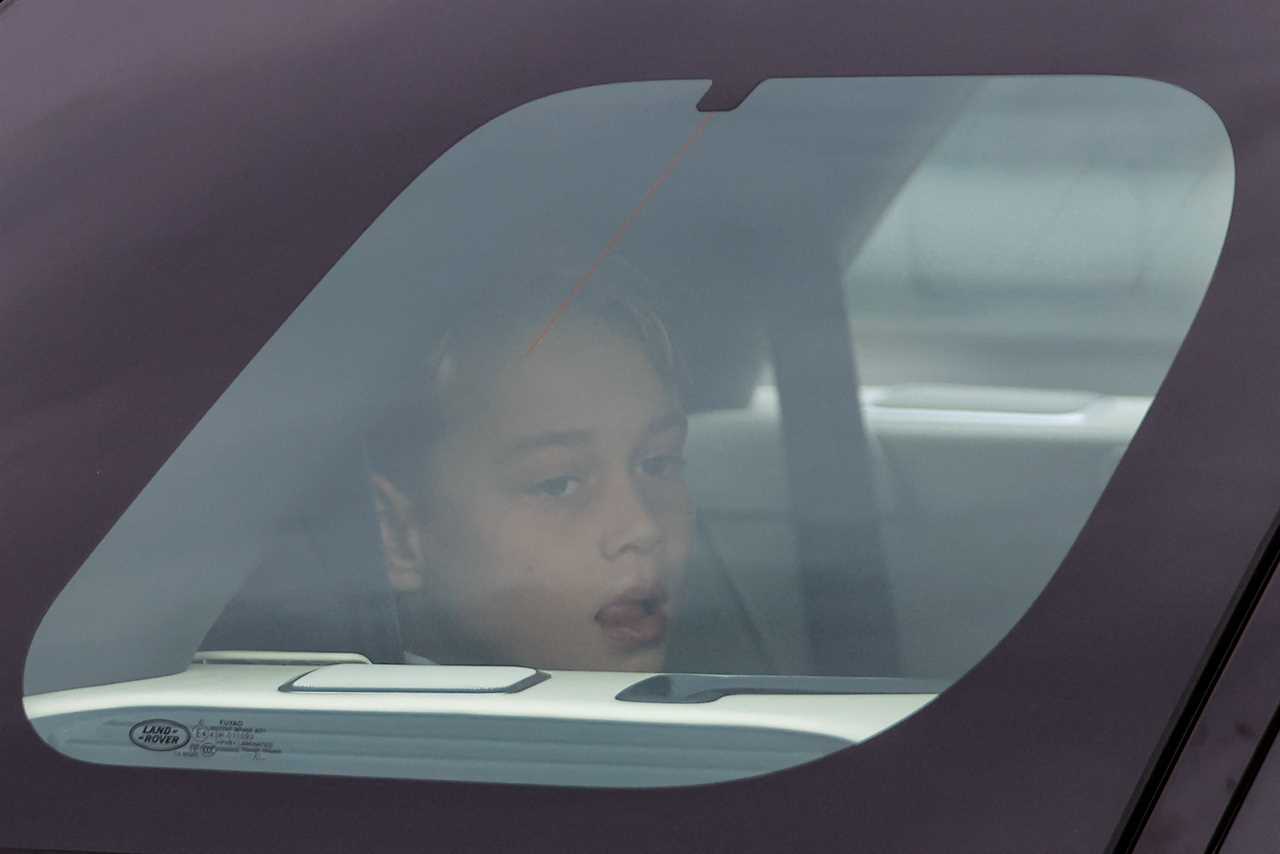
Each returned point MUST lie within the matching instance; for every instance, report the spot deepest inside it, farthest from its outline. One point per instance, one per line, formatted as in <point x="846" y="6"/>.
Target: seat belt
<point x="835" y="515"/>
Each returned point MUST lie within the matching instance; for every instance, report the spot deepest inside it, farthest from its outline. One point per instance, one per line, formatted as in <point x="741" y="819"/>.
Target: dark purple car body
<point x="175" y="178"/>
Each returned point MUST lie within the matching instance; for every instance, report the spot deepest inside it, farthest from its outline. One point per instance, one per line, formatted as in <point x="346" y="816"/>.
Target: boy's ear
<point x="401" y="539"/>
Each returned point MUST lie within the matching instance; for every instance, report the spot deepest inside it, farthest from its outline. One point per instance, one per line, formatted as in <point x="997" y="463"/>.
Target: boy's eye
<point x="558" y="487"/>
<point x="664" y="466"/>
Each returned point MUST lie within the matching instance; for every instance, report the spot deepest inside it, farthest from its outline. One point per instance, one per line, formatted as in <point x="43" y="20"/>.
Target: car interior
<point x="991" y="410"/>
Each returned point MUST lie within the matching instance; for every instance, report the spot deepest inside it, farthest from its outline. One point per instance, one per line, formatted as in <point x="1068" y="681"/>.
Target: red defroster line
<point x="622" y="230"/>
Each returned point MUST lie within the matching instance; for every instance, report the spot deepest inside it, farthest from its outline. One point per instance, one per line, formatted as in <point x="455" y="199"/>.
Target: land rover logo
<point x="159" y="735"/>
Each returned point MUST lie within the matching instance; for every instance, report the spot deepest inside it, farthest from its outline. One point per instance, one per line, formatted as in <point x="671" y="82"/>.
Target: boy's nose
<point x="630" y="525"/>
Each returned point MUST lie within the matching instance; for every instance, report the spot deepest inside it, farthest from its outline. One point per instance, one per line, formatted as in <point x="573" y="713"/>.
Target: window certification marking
<point x="228" y="736"/>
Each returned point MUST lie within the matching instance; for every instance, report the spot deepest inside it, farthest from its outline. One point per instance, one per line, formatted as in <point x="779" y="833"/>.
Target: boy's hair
<point x="483" y="321"/>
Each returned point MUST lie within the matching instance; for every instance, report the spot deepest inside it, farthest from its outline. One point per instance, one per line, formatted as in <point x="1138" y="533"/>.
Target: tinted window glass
<point x="799" y="405"/>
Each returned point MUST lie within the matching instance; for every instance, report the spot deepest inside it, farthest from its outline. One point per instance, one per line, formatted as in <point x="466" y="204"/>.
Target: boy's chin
<point x="641" y="661"/>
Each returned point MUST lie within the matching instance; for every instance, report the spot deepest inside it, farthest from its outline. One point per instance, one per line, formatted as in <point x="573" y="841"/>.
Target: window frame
<point x="1051" y="739"/>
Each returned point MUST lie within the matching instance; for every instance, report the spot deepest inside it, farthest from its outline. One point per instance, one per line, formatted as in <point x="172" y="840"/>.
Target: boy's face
<point x="558" y="521"/>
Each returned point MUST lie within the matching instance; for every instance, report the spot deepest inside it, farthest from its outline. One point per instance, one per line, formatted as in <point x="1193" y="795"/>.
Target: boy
<point x="531" y="500"/>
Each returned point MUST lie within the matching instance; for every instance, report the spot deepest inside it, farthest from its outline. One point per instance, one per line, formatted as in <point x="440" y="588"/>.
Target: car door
<point x="1215" y="789"/>
<point x="179" y="178"/>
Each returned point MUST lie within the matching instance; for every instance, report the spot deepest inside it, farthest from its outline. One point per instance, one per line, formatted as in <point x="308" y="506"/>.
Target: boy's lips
<point x="635" y="619"/>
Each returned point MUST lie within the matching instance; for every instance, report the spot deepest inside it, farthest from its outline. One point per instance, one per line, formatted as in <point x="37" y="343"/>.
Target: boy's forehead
<point x="581" y="376"/>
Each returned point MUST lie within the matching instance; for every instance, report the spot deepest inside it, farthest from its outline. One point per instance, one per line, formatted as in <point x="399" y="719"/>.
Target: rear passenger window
<point x="635" y="445"/>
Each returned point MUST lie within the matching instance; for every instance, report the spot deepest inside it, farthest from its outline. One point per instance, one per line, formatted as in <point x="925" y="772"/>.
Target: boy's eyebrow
<point x="578" y="438"/>
<point x="550" y="439"/>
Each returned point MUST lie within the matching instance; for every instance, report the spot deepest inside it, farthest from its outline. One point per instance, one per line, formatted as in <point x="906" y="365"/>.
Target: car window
<point x="633" y="445"/>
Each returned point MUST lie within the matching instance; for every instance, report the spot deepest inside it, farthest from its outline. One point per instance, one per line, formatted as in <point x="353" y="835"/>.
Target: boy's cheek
<point x="678" y="527"/>
<point x="554" y="634"/>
